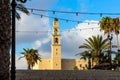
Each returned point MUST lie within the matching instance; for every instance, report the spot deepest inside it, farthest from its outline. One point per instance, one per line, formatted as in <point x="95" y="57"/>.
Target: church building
<point x="56" y="62"/>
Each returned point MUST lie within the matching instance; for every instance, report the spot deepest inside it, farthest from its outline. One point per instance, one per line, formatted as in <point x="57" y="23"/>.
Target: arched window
<point x="56" y="40"/>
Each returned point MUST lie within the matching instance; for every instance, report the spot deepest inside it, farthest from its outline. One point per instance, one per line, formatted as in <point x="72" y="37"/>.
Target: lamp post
<point x="13" y="38"/>
<point x="110" y="37"/>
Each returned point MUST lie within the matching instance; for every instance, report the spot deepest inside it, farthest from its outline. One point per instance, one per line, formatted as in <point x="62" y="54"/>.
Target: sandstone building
<point x="56" y="62"/>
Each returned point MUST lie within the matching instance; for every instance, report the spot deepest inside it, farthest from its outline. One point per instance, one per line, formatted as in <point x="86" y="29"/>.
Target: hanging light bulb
<point x="76" y="13"/>
<point x="98" y="23"/>
<point x="41" y="16"/>
<point x="100" y="14"/>
<point x="66" y="20"/>
<point x="92" y="28"/>
<point x="31" y="10"/>
<point x="88" y="23"/>
<point x="53" y="12"/>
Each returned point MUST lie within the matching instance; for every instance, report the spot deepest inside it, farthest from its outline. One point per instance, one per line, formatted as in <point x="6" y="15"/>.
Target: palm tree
<point x="31" y="55"/>
<point x="86" y="55"/>
<point x="5" y="38"/>
<point x="109" y="25"/>
<point x="116" y="28"/>
<point x="95" y="44"/>
<point x="20" y="7"/>
<point x="105" y="25"/>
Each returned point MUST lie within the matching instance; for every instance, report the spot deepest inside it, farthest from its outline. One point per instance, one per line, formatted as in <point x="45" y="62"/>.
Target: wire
<point x="67" y="20"/>
<point x="76" y="13"/>
<point x="46" y="31"/>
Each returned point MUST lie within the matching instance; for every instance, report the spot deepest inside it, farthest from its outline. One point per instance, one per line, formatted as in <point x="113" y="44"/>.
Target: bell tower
<point x="56" y="46"/>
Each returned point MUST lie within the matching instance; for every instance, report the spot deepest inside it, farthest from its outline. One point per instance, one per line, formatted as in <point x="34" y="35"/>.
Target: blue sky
<point x="72" y="33"/>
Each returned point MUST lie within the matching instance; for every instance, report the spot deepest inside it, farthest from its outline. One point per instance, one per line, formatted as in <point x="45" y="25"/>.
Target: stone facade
<point x="56" y="62"/>
<point x="66" y="64"/>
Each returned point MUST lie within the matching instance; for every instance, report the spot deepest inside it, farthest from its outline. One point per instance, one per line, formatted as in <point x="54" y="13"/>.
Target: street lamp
<point x="14" y="4"/>
<point x="110" y="37"/>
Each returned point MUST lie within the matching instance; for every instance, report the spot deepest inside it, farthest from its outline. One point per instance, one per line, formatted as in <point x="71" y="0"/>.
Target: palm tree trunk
<point x="5" y="37"/>
<point x="89" y="63"/>
<point x="29" y="68"/>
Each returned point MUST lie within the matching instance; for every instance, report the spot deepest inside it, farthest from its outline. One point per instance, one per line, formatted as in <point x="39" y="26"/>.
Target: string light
<point x="67" y="12"/>
<point x="31" y="10"/>
<point x="77" y="14"/>
<point x="53" y="12"/>
<point x="41" y="16"/>
<point x="100" y="14"/>
<point x="46" y="31"/>
<point x="67" y="20"/>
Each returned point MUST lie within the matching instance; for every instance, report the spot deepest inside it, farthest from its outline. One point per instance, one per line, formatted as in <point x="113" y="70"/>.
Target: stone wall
<point x="44" y="64"/>
<point x="67" y="75"/>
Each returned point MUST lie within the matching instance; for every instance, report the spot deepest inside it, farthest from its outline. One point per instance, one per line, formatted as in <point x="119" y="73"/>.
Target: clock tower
<point x="56" y="46"/>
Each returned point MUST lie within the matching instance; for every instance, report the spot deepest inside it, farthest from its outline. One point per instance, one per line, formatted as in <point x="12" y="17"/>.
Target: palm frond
<point x="22" y="8"/>
<point x="21" y="57"/>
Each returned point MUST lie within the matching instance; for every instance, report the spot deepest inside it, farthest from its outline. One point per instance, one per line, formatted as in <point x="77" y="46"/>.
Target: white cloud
<point x="70" y="40"/>
<point x="21" y="63"/>
<point x="31" y="28"/>
<point x="73" y="38"/>
<point x="37" y="37"/>
<point x="37" y="44"/>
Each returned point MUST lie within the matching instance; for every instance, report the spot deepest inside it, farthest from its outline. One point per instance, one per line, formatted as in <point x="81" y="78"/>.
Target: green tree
<point x="109" y="25"/>
<point x="31" y="56"/>
<point x="105" y="25"/>
<point x="5" y="39"/>
<point x="95" y="44"/>
<point x="116" y="27"/>
<point x="76" y="68"/>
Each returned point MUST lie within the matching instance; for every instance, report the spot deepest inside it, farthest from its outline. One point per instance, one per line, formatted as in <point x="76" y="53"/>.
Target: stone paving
<point x="67" y="75"/>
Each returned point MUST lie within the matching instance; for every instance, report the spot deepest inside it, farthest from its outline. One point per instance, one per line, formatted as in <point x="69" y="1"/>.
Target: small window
<point x="80" y="65"/>
<point x="56" y="53"/>
<point x="56" y="49"/>
<point x="85" y="65"/>
<point x="56" y="64"/>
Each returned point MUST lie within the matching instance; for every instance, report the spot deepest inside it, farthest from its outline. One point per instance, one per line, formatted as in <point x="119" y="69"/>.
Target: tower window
<point x="85" y="65"/>
<point x="80" y="65"/>
<point x="56" y="41"/>
<point x="56" y="49"/>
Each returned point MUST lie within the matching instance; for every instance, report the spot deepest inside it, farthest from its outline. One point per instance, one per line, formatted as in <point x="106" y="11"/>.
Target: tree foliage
<point x="95" y="44"/>
<point x="31" y="56"/>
